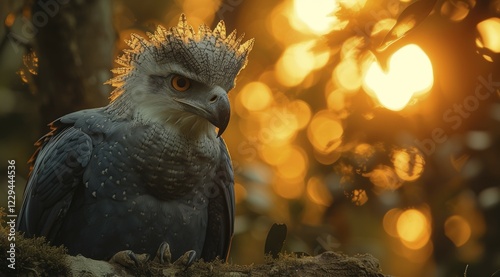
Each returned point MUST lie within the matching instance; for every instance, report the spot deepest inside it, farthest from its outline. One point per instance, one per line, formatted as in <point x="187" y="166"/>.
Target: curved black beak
<point x="219" y="110"/>
<point x="212" y="105"/>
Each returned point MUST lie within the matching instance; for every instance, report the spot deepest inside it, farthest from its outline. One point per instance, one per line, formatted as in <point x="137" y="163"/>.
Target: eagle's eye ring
<point x="180" y="83"/>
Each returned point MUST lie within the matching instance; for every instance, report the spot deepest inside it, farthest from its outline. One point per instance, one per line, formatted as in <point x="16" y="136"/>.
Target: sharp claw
<point x="163" y="254"/>
<point x="191" y="258"/>
<point x="129" y="259"/>
<point x="187" y="259"/>
<point x="133" y="257"/>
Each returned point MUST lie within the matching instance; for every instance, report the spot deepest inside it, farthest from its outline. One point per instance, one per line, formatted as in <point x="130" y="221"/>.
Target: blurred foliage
<point x="347" y="162"/>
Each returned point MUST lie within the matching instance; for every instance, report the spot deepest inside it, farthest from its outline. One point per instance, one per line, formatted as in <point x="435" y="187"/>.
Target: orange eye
<point x="180" y="83"/>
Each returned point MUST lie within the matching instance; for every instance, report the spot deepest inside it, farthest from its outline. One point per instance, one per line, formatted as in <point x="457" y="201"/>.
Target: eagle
<point x="150" y="170"/>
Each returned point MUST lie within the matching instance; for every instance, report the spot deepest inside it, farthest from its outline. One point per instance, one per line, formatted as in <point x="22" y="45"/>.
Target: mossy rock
<point x="35" y="257"/>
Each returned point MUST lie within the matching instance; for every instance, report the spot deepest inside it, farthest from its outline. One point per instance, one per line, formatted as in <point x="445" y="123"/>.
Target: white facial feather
<point x="162" y="110"/>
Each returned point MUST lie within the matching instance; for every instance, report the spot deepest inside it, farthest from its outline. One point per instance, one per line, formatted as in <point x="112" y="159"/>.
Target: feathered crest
<point x="212" y="56"/>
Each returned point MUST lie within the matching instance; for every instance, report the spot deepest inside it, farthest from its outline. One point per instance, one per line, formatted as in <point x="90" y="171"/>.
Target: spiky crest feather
<point x="211" y="56"/>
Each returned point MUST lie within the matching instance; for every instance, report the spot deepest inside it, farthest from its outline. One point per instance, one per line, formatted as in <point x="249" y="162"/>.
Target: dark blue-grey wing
<point x="220" y="211"/>
<point x="57" y="171"/>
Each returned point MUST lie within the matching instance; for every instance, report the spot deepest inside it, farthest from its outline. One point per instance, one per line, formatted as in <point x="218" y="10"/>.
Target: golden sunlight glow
<point x="320" y="58"/>
<point x="294" y="166"/>
<point x="350" y="48"/>
<point x="353" y="5"/>
<point x="347" y="74"/>
<point x="359" y="197"/>
<point x="250" y="126"/>
<point x="364" y="150"/>
<point x="390" y="221"/>
<point x="381" y="29"/>
<point x="413" y="228"/>
<point x="384" y="177"/>
<point x="289" y="189"/>
<point x="317" y="16"/>
<point x="279" y="126"/>
<point x="318" y="192"/>
<point x="302" y="112"/>
<point x="200" y="12"/>
<point x="418" y="257"/>
<point x="383" y="26"/>
<point x="240" y="193"/>
<point x="297" y="61"/>
<point x="489" y="35"/>
<point x="9" y="20"/>
<point x="456" y="10"/>
<point x="256" y="96"/>
<point x="410" y="74"/>
<point x="327" y="158"/>
<point x="324" y="132"/>
<point x="335" y="100"/>
<point x="408" y="164"/>
<point x="457" y="229"/>
<point x="274" y="155"/>
<point x="278" y="21"/>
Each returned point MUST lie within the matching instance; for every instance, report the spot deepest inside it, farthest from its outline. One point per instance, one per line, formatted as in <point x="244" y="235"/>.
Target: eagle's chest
<point x="143" y="187"/>
<point x="152" y="160"/>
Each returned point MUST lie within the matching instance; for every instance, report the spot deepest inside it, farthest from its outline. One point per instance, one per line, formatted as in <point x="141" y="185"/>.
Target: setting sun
<point x="409" y="74"/>
<point x="318" y="17"/>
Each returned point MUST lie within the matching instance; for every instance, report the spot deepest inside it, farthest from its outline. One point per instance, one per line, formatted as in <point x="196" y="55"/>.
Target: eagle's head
<point x="180" y="77"/>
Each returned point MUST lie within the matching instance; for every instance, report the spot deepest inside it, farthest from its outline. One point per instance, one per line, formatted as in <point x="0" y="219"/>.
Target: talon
<point x="186" y="259"/>
<point x="191" y="258"/>
<point x="129" y="259"/>
<point x="163" y="254"/>
<point x="133" y="257"/>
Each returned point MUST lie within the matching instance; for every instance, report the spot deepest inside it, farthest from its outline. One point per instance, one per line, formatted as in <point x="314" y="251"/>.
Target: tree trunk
<point x="74" y="42"/>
